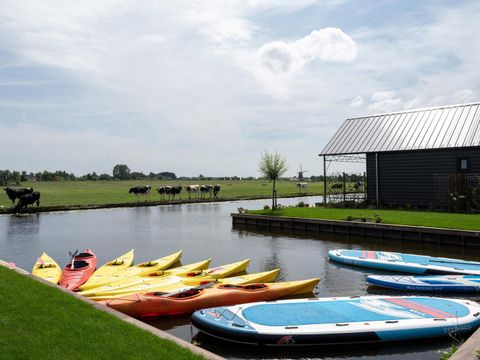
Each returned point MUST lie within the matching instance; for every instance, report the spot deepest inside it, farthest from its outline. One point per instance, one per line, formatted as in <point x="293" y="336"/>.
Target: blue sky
<point x="205" y="87"/>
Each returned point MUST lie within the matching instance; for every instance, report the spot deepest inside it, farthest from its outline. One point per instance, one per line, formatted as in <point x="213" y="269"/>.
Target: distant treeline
<point x="123" y="172"/>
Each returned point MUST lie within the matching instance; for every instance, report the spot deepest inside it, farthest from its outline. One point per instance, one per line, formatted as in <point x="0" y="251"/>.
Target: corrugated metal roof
<point x="434" y="128"/>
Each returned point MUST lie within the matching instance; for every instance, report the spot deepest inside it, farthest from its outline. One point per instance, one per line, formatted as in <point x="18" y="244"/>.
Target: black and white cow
<point x="216" y="189"/>
<point x="28" y="199"/>
<point x="176" y="190"/>
<point x="337" y="186"/>
<point x="206" y="189"/>
<point x="193" y="189"/>
<point x="163" y="190"/>
<point x="141" y="190"/>
<point x="14" y="194"/>
<point x="302" y="186"/>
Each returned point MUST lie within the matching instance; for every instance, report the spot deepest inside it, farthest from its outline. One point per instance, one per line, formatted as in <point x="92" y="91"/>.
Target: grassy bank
<point x="398" y="217"/>
<point x="66" y="193"/>
<point x="37" y="321"/>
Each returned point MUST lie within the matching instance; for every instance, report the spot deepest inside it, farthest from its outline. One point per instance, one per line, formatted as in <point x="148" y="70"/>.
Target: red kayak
<point x="84" y="265"/>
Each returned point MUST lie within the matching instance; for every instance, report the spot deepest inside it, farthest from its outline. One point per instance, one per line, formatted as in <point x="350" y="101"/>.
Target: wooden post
<point x="344" y="189"/>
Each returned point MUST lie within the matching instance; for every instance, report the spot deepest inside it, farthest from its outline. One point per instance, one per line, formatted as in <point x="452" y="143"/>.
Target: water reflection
<point x="25" y="227"/>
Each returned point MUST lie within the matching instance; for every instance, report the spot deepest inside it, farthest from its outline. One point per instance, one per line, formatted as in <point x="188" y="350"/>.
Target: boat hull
<point x="156" y="304"/>
<point x="407" y="263"/>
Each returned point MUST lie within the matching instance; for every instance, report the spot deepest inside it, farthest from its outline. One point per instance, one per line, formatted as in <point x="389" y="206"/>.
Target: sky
<point x="206" y="87"/>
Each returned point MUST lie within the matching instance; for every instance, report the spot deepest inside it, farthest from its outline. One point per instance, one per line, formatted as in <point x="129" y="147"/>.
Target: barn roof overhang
<point x="446" y="127"/>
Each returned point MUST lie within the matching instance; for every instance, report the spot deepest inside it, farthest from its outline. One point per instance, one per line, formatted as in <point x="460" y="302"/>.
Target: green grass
<point x="398" y="217"/>
<point x="37" y="321"/>
<point x="68" y="193"/>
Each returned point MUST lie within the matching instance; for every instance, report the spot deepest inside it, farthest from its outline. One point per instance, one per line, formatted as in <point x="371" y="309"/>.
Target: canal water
<point x="205" y="231"/>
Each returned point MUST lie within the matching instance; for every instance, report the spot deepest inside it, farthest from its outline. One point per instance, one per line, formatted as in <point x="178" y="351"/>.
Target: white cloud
<point x="329" y="44"/>
<point x="385" y="101"/>
<point x="357" y="101"/>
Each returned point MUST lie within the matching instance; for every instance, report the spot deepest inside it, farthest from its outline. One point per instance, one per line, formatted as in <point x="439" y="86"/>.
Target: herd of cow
<point x="25" y="196"/>
<point x="201" y="191"/>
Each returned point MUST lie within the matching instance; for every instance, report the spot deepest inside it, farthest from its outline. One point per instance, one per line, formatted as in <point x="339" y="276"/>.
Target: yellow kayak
<point x="46" y="268"/>
<point x="142" y="268"/>
<point x="147" y="282"/>
<point x="105" y="272"/>
<point x="146" y="278"/>
<point x="182" y="283"/>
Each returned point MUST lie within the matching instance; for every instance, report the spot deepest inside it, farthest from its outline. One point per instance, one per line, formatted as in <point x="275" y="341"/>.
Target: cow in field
<point x="14" y="194"/>
<point x="216" y="189"/>
<point x="193" y="189"/>
<point x="141" y="190"/>
<point x="28" y="199"/>
<point x="164" y="190"/>
<point x="176" y="190"/>
<point x="336" y="186"/>
<point x="206" y="189"/>
<point x="302" y="186"/>
<point x="170" y="191"/>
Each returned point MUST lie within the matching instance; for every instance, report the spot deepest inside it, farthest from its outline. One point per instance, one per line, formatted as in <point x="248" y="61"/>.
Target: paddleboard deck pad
<point x="432" y="283"/>
<point x="328" y="321"/>
<point x="408" y="263"/>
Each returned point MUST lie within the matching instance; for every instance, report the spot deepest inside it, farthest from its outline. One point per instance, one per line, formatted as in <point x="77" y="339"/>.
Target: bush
<point x="303" y="204"/>
<point x="349" y="218"/>
<point x="377" y="219"/>
<point x="266" y="207"/>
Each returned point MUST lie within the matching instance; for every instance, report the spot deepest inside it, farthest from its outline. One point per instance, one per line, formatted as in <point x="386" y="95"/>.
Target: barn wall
<point x="406" y="177"/>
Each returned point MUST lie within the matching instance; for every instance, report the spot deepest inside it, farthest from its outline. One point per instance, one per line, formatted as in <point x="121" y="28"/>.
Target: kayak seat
<point x="117" y="262"/>
<point x="45" y="266"/>
<point x="78" y="264"/>
<point x="84" y="255"/>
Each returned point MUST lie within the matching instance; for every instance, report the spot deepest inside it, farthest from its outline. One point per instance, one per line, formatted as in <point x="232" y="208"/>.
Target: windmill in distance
<point x="301" y="172"/>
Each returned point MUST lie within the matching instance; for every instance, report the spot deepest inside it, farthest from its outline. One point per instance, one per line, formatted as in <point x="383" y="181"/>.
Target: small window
<point x="463" y="165"/>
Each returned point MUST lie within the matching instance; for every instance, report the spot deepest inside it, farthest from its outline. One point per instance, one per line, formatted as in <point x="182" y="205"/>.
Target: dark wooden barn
<point x="427" y="158"/>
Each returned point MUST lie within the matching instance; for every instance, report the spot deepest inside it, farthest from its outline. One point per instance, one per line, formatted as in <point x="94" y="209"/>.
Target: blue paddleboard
<point x="408" y="263"/>
<point x="327" y="321"/>
<point x="432" y="283"/>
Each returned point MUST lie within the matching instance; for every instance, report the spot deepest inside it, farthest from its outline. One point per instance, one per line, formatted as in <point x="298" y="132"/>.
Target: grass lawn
<point x="65" y="193"/>
<point x="37" y="321"/>
<point x="399" y="217"/>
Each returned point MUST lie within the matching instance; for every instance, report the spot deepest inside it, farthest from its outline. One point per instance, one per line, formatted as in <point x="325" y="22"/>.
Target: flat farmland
<point x="85" y="193"/>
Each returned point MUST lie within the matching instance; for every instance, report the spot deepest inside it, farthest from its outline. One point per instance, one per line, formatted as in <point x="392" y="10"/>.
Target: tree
<point x="121" y="172"/>
<point x="272" y="166"/>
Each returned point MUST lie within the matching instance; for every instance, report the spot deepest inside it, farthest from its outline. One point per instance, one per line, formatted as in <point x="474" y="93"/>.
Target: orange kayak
<point x="187" y="301"/>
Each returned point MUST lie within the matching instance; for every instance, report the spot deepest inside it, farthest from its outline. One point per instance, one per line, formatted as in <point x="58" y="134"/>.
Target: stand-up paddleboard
<point x="409" y="263"/>
<point x="327" y="321"/>
<point x="432" y="283"/>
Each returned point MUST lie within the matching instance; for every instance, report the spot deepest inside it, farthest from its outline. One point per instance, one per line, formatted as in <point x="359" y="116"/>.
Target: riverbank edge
<point x="469" y="350"/>
<point x="59" y="208"/>
<point x="304" y="226"/>
<point x="137" y="323"/>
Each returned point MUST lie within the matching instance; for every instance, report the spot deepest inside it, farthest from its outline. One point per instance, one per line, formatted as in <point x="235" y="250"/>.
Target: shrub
<point x="266" y="207"/>
<point x="349" y="218"/>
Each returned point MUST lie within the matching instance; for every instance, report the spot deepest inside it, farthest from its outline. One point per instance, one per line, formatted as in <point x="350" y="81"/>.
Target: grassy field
<point x="398" y="217"/>
<point x="37" y="321"/>
<point x="67" y="193"/>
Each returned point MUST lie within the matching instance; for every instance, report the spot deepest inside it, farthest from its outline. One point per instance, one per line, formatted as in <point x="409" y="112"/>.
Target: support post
<point x="344" y="189"/>
<point x="377" y="187"/>
<point x="324" y="180"/>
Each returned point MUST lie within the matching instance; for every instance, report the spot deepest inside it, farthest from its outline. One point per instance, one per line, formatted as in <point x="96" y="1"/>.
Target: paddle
<point x="73" y="258"/>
